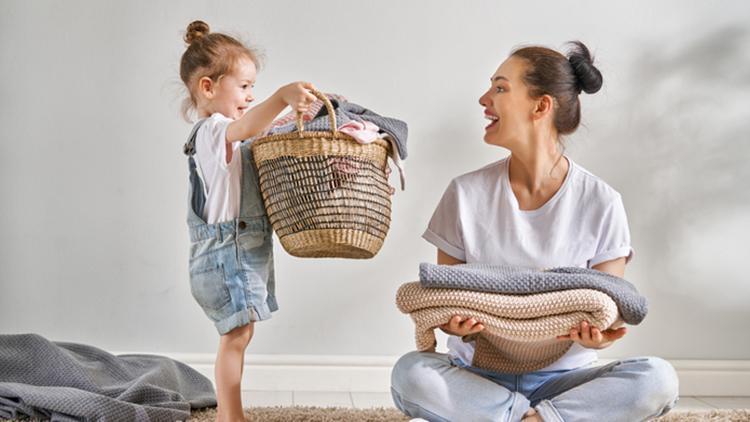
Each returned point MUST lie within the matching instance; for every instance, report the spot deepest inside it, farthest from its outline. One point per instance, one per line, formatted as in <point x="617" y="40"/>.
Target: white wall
<point x="93" y="182"/>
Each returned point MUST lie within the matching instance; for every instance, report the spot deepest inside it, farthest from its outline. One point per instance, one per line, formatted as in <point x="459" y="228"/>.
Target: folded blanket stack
<point x="522" y="310"/>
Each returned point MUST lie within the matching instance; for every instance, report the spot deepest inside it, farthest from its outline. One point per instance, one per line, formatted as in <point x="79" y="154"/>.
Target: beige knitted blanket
<point x="520" y="330"/>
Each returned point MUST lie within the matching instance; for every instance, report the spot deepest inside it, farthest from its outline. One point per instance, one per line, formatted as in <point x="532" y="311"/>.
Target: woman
<point x="535" y="208"/>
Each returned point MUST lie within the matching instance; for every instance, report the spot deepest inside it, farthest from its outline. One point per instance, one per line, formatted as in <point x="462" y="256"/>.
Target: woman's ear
<point x="544" y="106"/>
<point x="206" y="87"/>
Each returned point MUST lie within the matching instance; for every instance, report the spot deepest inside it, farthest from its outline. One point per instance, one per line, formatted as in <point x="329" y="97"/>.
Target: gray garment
<point x="516" y="280"/>
<point x="346" y="112"/>
<point x="72" y="382"/>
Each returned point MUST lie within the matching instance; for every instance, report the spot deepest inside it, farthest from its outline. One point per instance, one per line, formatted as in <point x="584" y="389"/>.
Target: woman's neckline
<point x="550" y="201"/>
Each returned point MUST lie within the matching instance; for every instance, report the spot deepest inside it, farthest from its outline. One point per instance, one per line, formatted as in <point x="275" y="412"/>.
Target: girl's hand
<point x="460" y="326"/>
<point x="592" y="337"/>
<point x="297" y="95"/>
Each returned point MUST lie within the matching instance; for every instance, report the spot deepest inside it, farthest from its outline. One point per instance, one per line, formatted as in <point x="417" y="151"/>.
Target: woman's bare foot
<point x="531" y="416"/>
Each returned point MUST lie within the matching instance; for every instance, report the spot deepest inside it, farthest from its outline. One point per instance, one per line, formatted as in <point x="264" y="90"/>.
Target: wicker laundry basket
<point x="326" y="194"/>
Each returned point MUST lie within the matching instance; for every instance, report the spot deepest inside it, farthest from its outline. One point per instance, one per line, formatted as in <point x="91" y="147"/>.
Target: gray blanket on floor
<point x="73" y="382"/>
<point x="518" y="281"/>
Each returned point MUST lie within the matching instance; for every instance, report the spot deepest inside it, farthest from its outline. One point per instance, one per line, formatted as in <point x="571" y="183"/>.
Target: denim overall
<point x="231" y="262"/>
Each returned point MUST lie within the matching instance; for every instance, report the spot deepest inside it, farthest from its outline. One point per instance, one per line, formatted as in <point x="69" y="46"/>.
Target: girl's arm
<point x="258" y="118"/>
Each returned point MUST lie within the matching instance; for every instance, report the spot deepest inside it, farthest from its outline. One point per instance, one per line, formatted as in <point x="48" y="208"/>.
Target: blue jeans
<point x="435" y="387"/>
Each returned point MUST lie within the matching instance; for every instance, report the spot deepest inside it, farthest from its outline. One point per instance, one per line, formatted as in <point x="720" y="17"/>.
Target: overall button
<point x="242" y="225"/>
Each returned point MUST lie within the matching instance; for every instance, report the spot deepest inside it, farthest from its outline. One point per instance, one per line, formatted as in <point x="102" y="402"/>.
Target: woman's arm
<point x="445" y="259"/>
<point x="591" y="337"/>
<point x="615" y="267"/>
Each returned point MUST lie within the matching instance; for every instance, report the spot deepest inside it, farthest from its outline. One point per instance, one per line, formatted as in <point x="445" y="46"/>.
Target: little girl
<point x="231" y="255"/>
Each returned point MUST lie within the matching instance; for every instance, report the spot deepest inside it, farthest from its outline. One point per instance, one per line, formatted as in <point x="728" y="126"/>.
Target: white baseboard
<point x="713" y="377"/>
<point x="372" y="373"/>
<point x="305" y="372"/>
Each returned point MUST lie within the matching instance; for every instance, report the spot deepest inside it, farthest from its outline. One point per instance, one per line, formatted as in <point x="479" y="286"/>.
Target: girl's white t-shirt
<point x="478" y="220"/>
<point x="221" y="180"/>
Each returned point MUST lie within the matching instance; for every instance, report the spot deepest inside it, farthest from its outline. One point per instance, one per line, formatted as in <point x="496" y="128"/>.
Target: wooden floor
<point x="368" y="400"/>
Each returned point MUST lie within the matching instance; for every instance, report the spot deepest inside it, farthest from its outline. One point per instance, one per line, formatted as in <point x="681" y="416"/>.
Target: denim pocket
<point x="210" y="290"/>
<point x="251" y="239"/>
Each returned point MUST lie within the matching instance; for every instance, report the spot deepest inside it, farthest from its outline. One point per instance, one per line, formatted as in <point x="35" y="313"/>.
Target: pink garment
<point x="366" y="132"/>
<point x="363" y="131"/>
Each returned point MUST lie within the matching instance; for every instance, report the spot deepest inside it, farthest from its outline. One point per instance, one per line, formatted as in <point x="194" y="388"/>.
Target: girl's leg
<point x="627" y="390"/>
<point x="427" y="385"/>
<point x="228" y="372"/>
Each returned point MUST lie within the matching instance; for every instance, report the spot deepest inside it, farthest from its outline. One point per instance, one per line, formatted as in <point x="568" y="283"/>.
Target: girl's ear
<point x="544" y="106"/>
<point x="206" y="87"/>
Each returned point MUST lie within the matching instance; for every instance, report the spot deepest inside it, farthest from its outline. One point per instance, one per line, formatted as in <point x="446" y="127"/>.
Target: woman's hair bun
<point x="196" y="30"/>
<point x="588" y="76"/>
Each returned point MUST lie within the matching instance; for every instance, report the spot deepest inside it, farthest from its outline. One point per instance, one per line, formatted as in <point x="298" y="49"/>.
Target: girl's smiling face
<point x="507" y="105"/>
<point x="232" y="94"/>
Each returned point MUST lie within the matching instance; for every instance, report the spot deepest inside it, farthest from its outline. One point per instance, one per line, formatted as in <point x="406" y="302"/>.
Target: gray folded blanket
<point x="73" y="382"/>
<point x="516" y="280"/>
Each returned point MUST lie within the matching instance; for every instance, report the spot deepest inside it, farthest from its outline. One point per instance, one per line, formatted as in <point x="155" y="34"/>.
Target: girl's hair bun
<point x="196" y="30"/>
<point x="588" y="76"/>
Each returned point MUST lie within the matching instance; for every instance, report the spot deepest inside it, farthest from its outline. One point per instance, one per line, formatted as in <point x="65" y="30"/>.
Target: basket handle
<point x="329" y="107"/>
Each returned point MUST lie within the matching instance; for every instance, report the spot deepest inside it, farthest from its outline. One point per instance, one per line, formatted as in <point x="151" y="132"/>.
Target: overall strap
<point x="198" y="191"/>
<point x="189" y="147"/>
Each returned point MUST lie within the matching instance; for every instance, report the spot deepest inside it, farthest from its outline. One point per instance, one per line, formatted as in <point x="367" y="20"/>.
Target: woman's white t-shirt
<point x="478" y="220"/>
<point x="221" y="180"/>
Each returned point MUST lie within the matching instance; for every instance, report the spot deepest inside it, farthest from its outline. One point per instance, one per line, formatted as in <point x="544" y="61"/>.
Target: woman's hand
<point x="592" y="337"/>
<point x="460" y="326"/>
<point x="297" y="95"/>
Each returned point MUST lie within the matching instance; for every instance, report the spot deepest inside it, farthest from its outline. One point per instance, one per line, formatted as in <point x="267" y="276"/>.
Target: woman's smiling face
<point x="507" y="105"/>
